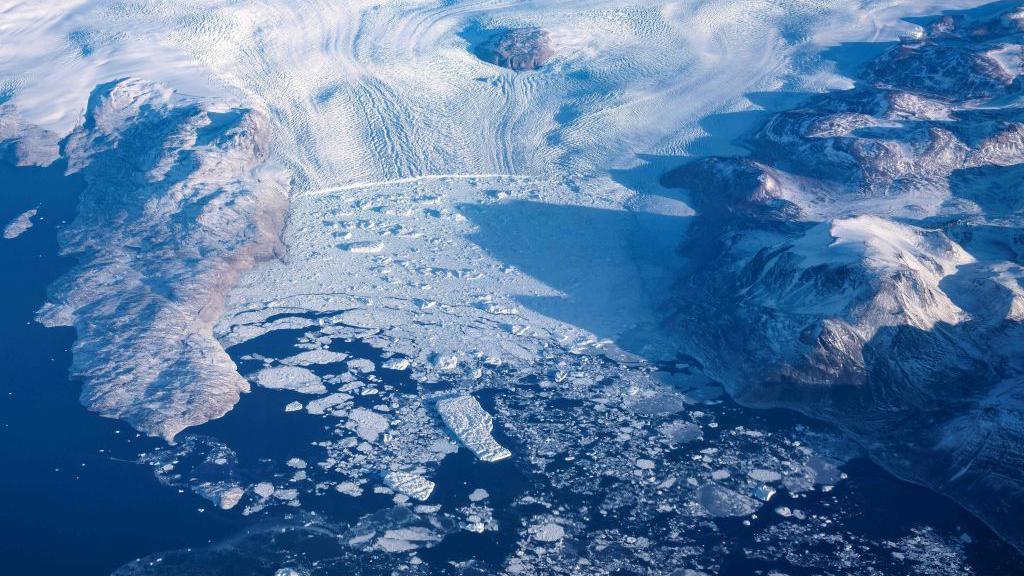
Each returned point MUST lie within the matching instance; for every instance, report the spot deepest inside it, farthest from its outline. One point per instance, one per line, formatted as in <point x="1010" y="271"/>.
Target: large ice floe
<point x="459" y="271"/>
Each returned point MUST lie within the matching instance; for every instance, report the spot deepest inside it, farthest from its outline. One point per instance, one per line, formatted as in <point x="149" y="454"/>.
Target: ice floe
<point x="292" y="378"/>
<point x="410" y="483"/>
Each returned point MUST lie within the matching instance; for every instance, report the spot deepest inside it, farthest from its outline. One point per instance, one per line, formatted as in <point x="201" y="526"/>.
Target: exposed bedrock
<point x="515" y="48"/>
<point x="864" y="263"/>
<point x="179" y="201"/>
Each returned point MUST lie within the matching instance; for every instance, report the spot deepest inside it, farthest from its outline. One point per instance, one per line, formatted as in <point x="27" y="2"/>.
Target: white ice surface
<point x="290" y="378"/>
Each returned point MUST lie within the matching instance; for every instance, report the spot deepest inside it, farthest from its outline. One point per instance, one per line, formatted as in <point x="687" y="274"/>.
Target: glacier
<point x="566" y="228"/>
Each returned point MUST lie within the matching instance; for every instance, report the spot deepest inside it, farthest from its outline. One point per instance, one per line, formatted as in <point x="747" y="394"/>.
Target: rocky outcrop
<point x="179" y="201"/>
<point x="516" y="48"/>
<point x="864" y="263"/>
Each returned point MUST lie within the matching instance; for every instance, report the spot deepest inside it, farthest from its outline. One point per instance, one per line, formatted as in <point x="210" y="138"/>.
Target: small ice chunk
<point x="410" y="484"/>
<point x="547" y="532"/>
<point x="297" y="463"/>
<point x="681" y="432"/>
<point x="286" y="494"/>
<point x="720" y="474"/>
<point x="658" y="405"/>
<point x="321" y="405"/>
<point x="367" y="424"/>
<point x="361" y="365"/>
<point x="19" y="225"/>
<point x="290" y="378"/>
<point x="472" y="425"/>
<point x="293" y="406"/>
<point x="230" y="497"/>
<point x="644" y="464"/>
<point x="396" y="364"/>
<point x="314" y="357"/>
<point x="762" y="475"/>
<point x="764" y="492"/>
<point x="719" y="501"/>
<point x="350" y="489"/>
<point x="446" y="363"/>
<point x="478" y="495"/>
<point x="264" y="489"/>
<point x="365" y="247"/>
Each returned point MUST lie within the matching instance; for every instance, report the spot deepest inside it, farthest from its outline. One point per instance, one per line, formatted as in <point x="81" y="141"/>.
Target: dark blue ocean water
<point x="74" y="500"/>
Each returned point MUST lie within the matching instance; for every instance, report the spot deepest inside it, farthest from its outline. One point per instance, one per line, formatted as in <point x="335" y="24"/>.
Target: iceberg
<point x="472" y="425"/>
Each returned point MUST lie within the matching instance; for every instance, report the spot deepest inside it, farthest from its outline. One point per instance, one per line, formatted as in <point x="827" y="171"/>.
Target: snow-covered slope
<point x="863" y="263"/>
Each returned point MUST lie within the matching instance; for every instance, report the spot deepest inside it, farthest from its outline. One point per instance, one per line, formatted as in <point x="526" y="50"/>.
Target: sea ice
<point x="361" y="365"/>
<point x="396" y="364"/>
<point x="405" y="539"/>
<point x="349" y="488"/>
<point x="263" y="489"/>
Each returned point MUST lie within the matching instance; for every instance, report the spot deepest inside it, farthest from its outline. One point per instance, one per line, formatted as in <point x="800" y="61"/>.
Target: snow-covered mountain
<point x="863" y="264"/>
<point x="179" y="200"/>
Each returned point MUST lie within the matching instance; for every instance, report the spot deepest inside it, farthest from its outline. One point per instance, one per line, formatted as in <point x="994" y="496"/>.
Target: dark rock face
<point x="516" y="49"/>
<point x="865" y="263"/>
